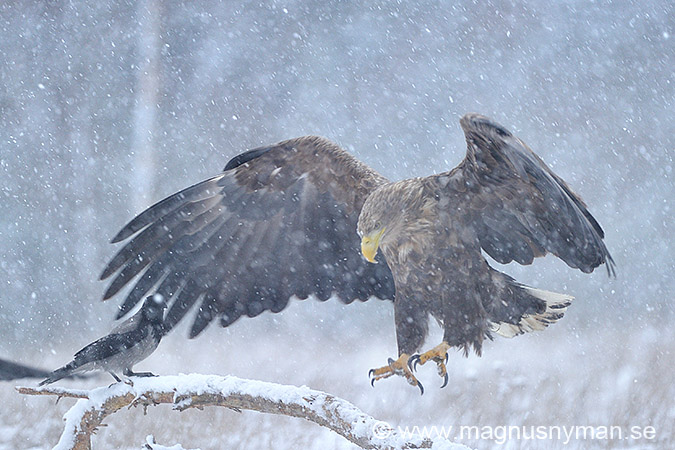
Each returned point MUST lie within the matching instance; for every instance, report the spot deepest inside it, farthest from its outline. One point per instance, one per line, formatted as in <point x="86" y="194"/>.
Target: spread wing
<point x="518" y="207"/>
<point x="280" y="221"/>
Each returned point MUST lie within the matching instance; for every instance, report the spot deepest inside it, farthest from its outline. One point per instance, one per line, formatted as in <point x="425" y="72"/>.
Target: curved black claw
<point x="413" y="361"/>
<point x="419" y="385"/>
<point x="371" y="375"/>
<point x="445" y="381"/>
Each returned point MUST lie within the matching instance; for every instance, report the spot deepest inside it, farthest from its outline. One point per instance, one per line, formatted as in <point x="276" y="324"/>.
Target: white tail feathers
<point x="556" y="305"/>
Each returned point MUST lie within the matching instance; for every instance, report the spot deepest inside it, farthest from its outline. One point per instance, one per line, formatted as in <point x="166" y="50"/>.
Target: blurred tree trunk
<point x="144" y="144"/>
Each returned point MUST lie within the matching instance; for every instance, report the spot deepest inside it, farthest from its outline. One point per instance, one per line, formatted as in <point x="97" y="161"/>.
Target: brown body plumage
<point x="281" y="220"/>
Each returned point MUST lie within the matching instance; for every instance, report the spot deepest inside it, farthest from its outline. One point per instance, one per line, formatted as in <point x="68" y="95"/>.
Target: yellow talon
<point x="439" y="355"/>
<point x="398" y="367"/>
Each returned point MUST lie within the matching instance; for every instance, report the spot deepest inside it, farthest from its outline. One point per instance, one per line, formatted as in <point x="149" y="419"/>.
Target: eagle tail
<point x="527" y="309"/>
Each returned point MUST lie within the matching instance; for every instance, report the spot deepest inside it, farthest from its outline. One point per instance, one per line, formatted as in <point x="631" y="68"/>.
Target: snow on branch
<point x="198" y="391"/>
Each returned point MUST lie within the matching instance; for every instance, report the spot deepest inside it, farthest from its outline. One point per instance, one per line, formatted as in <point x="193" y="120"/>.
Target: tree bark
<point x="198" y="391"/>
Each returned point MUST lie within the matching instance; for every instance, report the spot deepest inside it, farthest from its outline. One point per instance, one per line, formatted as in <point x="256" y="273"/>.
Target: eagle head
<point x="383" y="218"/>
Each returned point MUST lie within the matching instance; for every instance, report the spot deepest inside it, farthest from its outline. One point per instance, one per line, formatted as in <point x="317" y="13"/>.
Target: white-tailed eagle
<point x="282" y="221"/>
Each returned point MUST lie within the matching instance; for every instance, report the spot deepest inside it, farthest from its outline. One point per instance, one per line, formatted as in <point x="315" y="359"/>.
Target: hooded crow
<point x="129" y="343"/>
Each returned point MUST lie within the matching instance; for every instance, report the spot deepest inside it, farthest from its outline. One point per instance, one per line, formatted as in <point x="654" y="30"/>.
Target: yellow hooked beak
<point x="370" y="243"/>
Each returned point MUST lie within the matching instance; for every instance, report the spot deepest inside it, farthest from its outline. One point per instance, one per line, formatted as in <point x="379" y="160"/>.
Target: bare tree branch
<point x="198" y="391"/>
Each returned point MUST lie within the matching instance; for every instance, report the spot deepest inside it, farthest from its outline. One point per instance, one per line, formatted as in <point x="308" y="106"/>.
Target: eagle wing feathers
<point x="280" y="221"/>
<point x="519" y="207"/>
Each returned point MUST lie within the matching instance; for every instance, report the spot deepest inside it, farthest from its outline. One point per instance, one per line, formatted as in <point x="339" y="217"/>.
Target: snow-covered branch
<point x="198" y="391"/>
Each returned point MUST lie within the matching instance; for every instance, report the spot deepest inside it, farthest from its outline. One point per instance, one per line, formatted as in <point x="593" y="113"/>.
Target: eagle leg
<point x="439" y="355"/>
<point x="399" y="367"/>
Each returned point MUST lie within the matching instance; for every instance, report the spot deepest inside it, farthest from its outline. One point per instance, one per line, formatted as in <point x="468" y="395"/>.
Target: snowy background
<point x="107" y="107"/>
